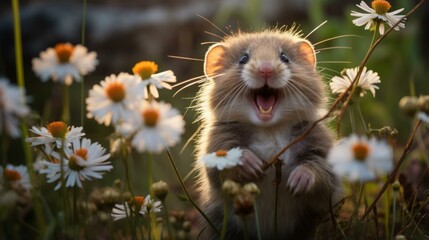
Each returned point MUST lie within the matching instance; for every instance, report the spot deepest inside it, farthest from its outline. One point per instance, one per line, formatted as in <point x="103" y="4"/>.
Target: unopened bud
<point x="251" y="188"/>
<point x="117" y="183"/>
<point x="187" y="226"/>
<point x="127" y="196"/>
<point x="230" y="187"/>
<point x="409" y="105"/>
<point x="423" y="104"/>
<point x="160" y="190"/>
<point x="388" y="132"/>
<point x="400" y="237"/>
<point x="396" y="186"/>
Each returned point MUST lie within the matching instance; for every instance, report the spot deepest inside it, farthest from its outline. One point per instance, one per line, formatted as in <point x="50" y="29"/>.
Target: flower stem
<point x="258" y="227"/>
<point x="149" y="173"/>
<point x="66" y="104"/>
<point x="392" y="233"/>
<point x="170" y="233"/>
<point x="37" y="206"/>
<point x="150" y="225"/>
<point x="82" y="84"/>
<point x="386" y="213"/>
<point x="187" y="193"/>
<point x="124" y="152"/>
<point x="225" y="217"/>
<point x="245" y="228"/>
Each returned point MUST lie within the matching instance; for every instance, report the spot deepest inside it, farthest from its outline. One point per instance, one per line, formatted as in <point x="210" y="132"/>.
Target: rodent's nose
<point x="266" y="70"/>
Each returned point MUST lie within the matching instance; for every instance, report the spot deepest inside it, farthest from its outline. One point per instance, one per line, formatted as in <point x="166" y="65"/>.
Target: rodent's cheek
<point x="250" y="80"/>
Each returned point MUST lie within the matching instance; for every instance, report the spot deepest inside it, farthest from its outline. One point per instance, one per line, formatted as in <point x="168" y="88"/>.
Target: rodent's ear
<point x="306" y="50"/>
<point x="213" y="59"/>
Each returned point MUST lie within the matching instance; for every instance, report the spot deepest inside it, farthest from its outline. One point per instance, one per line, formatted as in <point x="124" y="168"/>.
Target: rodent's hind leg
<point x="249" y="170"/>
<point x="301" y="180"/>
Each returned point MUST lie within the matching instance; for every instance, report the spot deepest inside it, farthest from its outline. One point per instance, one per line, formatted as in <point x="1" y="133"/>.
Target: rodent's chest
<point x="266" y="144"/>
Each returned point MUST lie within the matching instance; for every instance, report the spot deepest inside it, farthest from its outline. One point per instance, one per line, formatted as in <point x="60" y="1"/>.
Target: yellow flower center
<point x="12" y="175"/>
<point x="360" y="151"/>
<point x="82" y="152"/>
<point x="64" y="51"/>
<point x="221" y="153"/>
<point x="145" y="69"/>
<point x="150" y="117"/>
<point x="380" y="6"/>
<point x="138" y="200"/>
<point x="115" y="91"/>
<point x="58" y="129"/>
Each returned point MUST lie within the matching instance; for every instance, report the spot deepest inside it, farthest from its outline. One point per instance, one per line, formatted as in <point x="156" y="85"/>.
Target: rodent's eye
<point x="244" y="59"/>
<point x="284" y="58"/>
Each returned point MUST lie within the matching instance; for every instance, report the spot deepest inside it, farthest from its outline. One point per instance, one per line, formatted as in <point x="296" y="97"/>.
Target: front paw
<point x="250" y="169"/>
<point x="301" y="180"/>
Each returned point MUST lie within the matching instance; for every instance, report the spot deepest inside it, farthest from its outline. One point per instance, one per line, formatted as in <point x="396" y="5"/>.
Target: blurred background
<point x="124" y="32"/>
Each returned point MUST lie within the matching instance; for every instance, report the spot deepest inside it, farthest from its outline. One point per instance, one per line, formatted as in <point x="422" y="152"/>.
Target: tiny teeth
<point x="265" y="111"/>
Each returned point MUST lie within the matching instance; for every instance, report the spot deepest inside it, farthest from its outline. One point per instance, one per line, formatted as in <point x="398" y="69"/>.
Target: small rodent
<point x="262" y="91"/>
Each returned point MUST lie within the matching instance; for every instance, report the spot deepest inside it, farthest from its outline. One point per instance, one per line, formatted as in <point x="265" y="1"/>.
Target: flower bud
<point x="117" y="183"/>
<point x="409" y="105"/>
<point x="388" y="132"/>
<point x="127" y="196"/>
<point x="396" y="186"/>
<point x="400" y="237"/>
<point x="187" y="226"/>
<point x="230" y="187"/>
<point x="423" y="104"/>
<point x="160" y="190"/>
<point x="251" y="188"/>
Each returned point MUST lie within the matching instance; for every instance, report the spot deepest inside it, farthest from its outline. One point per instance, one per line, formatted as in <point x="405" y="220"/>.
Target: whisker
<point x="214" y="25"/>
<point x="196" y="78"/>
<point x="185" y="58"/>
<point x="320" y="25"/>
<point x="333" y="38"/>
<point x="191" y="138"/>
<point x="342" y="62"/>
<point x="188" y="85"/>
<point x="208" y="43"/>
<point x="329" y="69"/>
<point x="213" y="34"/>
<point x="329" y="48"/>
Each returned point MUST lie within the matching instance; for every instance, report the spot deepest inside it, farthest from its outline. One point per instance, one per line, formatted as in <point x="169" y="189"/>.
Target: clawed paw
<point x="301" y="180"/>
<point x="250" y="169"/>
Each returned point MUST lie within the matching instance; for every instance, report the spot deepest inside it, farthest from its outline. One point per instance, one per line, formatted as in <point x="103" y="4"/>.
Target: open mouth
<point x="264" y="101"/>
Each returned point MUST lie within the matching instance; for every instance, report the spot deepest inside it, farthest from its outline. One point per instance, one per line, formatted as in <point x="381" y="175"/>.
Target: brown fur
<point x="229" y="121"/>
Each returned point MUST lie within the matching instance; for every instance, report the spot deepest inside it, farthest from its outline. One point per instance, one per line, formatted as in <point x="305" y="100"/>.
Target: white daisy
<point x="54" y="134"/>
<point x="367" y="81"/>
<point x="83" y="161"/>
<point x="12" y="107"/>
<point x="376" y="15"/>
<point x="16" y="176"/>
<point x="151" y="80"/>
<point x="223" y="159"/>
<point x="361" y="159"/>
<point x="114" y="99"/>
<point x="121" y="211"/>
<point x="64" y="63"/>
<point x="424" y="117"/>
<point x="158" y="126"/>
<point x="150" y="206"/>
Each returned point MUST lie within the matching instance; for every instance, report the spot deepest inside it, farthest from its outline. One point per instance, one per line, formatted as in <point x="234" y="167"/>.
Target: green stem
<point x="75" y="216"/>
<point x="258" y="227"/>
<point x="149" y="173"/>
<point x="225" y="217"/>
<point x="150" y="225"/>
<point x="392" y="234"/>
<point x="245" y="228"/>
<point x="187" y="193"/>
<point x="352" y="120"/>
<point x="66" y="104"/>
<point x="386" y="213"/>
<point x="82" y="84"/>
<point x="170" y="233"/>
<point x="124" y="152"/>
<point x="37" y="206"/>
<point x="359" y="109"/>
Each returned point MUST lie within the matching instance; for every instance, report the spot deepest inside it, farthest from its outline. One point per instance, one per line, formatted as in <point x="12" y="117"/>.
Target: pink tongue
<point x="265" y="103"/>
